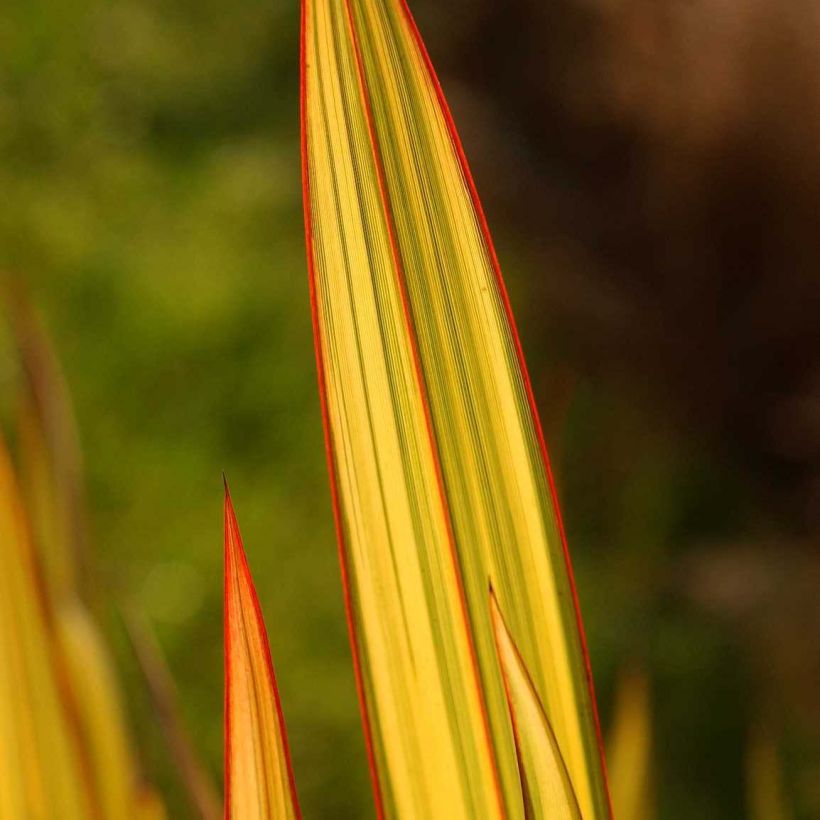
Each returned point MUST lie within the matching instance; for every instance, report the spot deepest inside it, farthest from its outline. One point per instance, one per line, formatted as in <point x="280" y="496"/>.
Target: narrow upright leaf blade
<point x="50" y="468"/>
<point x="438" y="468"/>
<point x="546" y="788"/>
<point x="49" y="455"/>
<point x="259" y="781"/>
<point x="96" y="702"/>
<point x="190" y="769"/>
<point x="629" y="750"/>
<point x="766" y="796"/>
<point x="43" y="770"/>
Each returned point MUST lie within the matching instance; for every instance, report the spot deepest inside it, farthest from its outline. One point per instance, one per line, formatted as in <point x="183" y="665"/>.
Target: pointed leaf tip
<point x="259" y="782"/>
<point x="545" y="784"/>
<point x="438" y="468"/>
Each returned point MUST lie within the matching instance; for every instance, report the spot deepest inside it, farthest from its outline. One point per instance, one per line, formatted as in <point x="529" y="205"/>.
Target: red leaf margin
<point x="519" y="352"/>
<point x="235" y="551"/>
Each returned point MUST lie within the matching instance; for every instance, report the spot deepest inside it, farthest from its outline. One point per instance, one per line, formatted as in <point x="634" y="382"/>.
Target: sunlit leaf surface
<point x="258" y="775"/>
<point x="546" y="789"/>
<point x="437" y="462"/>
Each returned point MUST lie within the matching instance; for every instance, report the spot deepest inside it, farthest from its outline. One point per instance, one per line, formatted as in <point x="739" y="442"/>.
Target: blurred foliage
<point x="152" y="202"/>
<point x="652" y="176"/>
<point x="629" y="749"/>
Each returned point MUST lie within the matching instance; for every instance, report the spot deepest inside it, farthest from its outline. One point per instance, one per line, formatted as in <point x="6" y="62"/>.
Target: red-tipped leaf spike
<point x="259" y="782"/>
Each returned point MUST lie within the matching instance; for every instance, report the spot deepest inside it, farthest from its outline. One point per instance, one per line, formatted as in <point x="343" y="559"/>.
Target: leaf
<point x="546" y="788"/>
<point x="96" y="703"/>
<point x="49" y="456"/>
<point x="438" y="469"/>
<point x="765" y="790"/>
<point x="165" y="700"/>
<point x="149" y="806"/>
<point x="630" y="749"/>
<point x="43" y="769"/>
<point x="51" y="478"/>
<point x="258" y="773"/>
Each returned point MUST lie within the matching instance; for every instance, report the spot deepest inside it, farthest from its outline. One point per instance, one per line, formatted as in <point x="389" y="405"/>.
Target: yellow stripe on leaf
<point x="258" y="775"/>
<point x="546" y="789"/>
<point x="437" y="464"/>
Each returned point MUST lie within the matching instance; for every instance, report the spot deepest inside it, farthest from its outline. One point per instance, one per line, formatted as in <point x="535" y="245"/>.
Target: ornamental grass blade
<point x="50" y="468"/>
<point x="629" y="749"/>
<point x="99" y="714"/>
<point x="438" y="468"/>
<point x="49" y="454"/>
<point x="259" y="781"/>
<point x="546" y="789"/>
<point x="765" y="788"/>
<point x="44" y="775"/>
<point x="189" y="768"/>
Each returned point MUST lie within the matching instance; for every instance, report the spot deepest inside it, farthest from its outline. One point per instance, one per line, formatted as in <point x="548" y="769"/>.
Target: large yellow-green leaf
<point x="545" y="784"/>
<point x="258" y="774"/>
<point x="438" y="469"/>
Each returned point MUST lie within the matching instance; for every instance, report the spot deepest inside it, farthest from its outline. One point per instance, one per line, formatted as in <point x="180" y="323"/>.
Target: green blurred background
<point x="651" y="171"/>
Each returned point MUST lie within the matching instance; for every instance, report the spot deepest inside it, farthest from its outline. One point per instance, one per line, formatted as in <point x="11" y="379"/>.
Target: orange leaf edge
<point x="235" y="551"/>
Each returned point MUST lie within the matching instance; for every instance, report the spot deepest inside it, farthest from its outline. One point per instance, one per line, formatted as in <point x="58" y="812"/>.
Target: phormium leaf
<point x="259" y="782"/>
<point x="438" y="468"/>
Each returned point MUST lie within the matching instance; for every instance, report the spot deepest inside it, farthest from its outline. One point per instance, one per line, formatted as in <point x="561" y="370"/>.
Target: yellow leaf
<point x="258" y="774"/>
<point x="100" y="719"/>
<point x="43" y="772"/>
<point x="50" y="461"/>
<point x="545" y="784"/>
<point x="630" y="750"/>
<point x="149" y="806"/>
<point x="765" y="790"/>
<point x="44" y="504"/>
<point x="438" y="469"/>
<point x="51" y="477"/>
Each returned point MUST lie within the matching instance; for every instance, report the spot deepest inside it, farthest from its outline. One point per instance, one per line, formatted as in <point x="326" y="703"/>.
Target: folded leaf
<point x="438" y="468"/>
<point x="546" y="788"/>
<point x="258" y="774"/>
